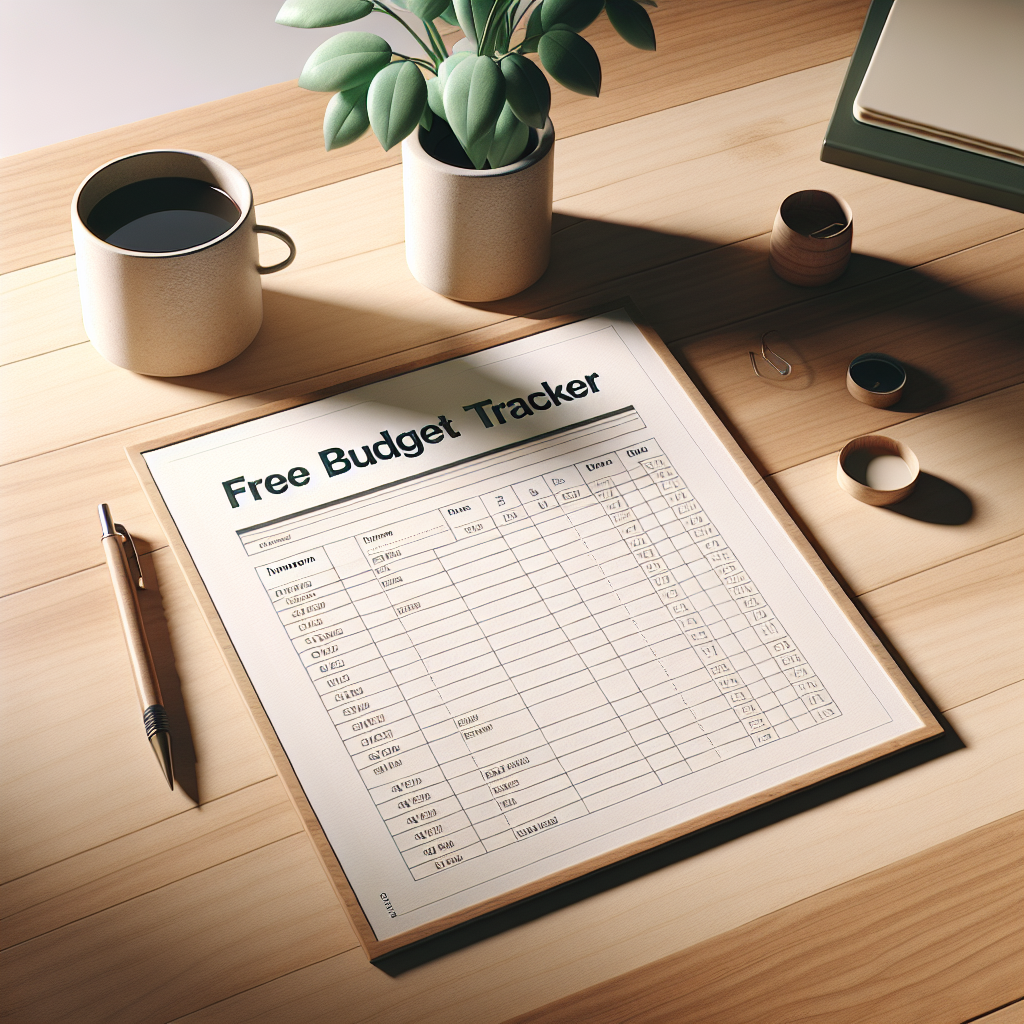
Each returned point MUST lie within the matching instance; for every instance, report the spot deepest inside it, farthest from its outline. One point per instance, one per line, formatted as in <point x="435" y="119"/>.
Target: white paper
<point x="512" y="647"/>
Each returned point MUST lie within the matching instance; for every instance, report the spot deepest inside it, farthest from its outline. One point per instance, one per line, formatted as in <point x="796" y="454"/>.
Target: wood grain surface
<point x="881" y="962"/>
<point x="893" y="896"/>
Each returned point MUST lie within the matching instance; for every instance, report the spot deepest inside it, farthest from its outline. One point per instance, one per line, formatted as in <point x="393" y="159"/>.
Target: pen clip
<point x="132" y="555"/>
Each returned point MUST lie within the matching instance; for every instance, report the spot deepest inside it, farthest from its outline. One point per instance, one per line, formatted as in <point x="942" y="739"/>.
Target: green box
<point x="891" y="154"/>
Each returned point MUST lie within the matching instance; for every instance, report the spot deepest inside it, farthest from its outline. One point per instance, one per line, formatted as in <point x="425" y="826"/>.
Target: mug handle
<point x="277" y="233"/>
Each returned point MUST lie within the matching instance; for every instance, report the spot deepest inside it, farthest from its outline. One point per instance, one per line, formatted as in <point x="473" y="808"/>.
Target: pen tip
<point x="161" y="742"/>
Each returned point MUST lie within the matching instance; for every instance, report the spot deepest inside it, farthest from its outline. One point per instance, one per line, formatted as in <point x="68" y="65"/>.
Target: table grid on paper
<point x="540" y="651"/>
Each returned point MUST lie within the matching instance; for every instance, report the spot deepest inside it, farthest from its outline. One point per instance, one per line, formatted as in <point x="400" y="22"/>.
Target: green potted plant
<point x="473" y="120"/>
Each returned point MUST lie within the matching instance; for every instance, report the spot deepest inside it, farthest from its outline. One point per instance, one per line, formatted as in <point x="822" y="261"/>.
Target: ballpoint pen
<point x="126" y="575"/>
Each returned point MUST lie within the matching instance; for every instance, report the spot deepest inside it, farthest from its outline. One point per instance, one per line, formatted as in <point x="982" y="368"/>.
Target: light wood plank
<point x="974" y="448"/>
<point x="271" y="909"/>
<point x="40" y="310"/>
<point x="147" y="859"/>
<point x="273" y="135"/>
<point x="1013" y="1014"/>
<point x="983" y="594"/>
<point x="933" y="938"/>
<point x="701" y="202"/>
<point x="618" y="930"/>
<point x="77" y="768"/>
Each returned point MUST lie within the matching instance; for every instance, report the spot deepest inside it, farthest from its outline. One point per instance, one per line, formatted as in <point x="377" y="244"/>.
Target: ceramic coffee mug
<point x="168" y="313"/>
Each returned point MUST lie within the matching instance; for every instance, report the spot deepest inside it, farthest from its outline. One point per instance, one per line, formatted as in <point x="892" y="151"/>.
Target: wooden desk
<point x="892" y="896"/>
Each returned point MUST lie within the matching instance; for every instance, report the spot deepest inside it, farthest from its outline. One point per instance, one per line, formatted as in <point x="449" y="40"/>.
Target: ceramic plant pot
<point x="478" y="235"/>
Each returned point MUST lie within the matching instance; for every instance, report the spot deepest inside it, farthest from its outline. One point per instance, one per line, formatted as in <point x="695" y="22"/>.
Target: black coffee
<point x="163" y="215"/>
<point x="877" y="375"/>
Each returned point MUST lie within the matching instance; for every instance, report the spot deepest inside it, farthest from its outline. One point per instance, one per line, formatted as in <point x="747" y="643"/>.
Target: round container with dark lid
<point x="875" y="379"/>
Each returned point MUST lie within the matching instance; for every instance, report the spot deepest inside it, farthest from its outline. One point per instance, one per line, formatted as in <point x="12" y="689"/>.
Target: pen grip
<point x="130" y="612"/>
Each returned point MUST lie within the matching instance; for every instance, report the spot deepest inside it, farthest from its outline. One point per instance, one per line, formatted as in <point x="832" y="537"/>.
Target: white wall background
<point x="71" y="67"/>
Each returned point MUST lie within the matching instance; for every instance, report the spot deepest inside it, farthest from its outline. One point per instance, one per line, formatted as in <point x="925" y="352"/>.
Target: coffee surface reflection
<point x="163" y="215"/>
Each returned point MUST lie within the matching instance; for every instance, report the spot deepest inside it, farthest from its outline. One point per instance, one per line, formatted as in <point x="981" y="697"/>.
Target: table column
<point x="731" y="628"/>
<point x="328" y="634"/>
<point x="526" y="789"/>
<point x="584" y="717"/>
<point x="772" y="688"/>
<point x="409" y="780"/>
<point x="638" y="632"/>
<point x="701" y="722"/>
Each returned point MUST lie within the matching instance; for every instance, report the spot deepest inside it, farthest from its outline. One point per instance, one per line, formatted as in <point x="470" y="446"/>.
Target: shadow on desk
<point x="935" y="500"/>
<point x="680" y="282"/>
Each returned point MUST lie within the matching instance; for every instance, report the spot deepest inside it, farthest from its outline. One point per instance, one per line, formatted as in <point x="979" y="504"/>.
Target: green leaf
<point x="448" y="66"/>
<point x="322" y="13"/>
<point x="435" y="97"/>
<point x="577" y="14"/>
<point x="344" y="62"/>
<point x="346" y="118"/>
<point x="632" y="22"/>
<point x="449" y="15"/>
<point x="435" y="86"/>
<point x="426" y="10"/>
<point x="474" y="95"/>
<point x="395" y="102"/>
<point x="510" y="138"/>
<point x="534" y="30"/>
<point x="570" y="60"/>
<point x="472" y="15"/>
<point x="426" y="119"/>
<point x="527" y="90"/>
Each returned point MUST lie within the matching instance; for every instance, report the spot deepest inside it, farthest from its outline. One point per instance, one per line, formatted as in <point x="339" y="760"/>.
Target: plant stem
<point x="519" y="47"/>
<point x="497" y="12"/>
<point x="440" y="50"/>
<point x="415" y="60"/>
<point x="520" y="17"/>
<point x="401" y="21"/>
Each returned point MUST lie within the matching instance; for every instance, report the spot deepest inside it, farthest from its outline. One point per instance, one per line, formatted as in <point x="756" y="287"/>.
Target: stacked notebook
<point x="951" y="71"/>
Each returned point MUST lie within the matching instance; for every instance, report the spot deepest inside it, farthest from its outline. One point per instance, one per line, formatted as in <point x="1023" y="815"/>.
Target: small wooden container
<point x="812" y="238"/>
<point x="853" y="470"/>
<point x="876" y="380"/>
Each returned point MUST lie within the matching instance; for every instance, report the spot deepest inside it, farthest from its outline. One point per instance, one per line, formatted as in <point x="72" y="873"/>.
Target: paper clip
<point x="837" y="227"/>
<point x="773" y="359"/>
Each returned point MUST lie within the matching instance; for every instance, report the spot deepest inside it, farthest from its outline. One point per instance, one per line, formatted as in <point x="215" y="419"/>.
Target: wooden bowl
<point x="854" y="460"/>
<point x="812" y="238"/>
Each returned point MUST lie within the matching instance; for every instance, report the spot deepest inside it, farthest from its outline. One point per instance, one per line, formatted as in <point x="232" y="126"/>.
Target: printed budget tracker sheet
<point x="512" y="613"/>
